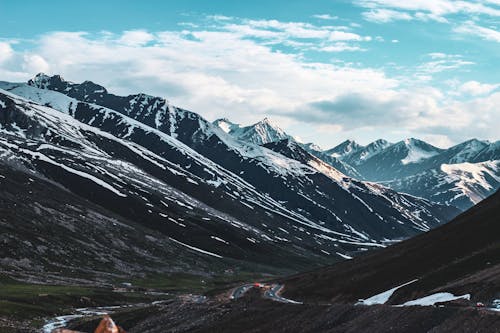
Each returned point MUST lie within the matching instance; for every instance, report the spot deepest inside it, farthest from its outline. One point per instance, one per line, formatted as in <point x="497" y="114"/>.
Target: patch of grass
<point x="20" y="300"/>
<point x="180" y="282"/>
<point x="32" y="303"/>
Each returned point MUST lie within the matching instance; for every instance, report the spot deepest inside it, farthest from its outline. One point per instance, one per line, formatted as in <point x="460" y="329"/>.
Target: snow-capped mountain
<point x="466" y="151"/>
<point x="398" y="160"/>
<point x="259" y="133"/>
<point x="344" y="149"/>
<point x="265" y="132"/>
<point x="366" y="152"/>
<point x="461" y="175"/>
<point x="226" y="125"/>
<point x="177" y="174"/>
<point x="461" y="185"/>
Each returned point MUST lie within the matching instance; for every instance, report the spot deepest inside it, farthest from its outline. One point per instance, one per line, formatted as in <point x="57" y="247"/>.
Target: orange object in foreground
<point x="107" y="325"/>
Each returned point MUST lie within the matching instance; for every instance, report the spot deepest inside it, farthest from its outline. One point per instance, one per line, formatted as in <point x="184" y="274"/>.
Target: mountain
<point x="467" y="151"/>
<point x="398" y="160"/>
<point x="430" y="283"/>
<point x="201" y="189"/>
<point x="461" y="185"/>
<point x="135" y="189"/>
<point x="332" y="161"/>
<point x="379" y="161"/>
<point x="265" y="132"/>
<point x="364" y="153"/>
<point x="461" y="175"/>
<point x="259" y="133"/>
<point x="344" y="149"/>
<point x="226" y="125"/>
<point x="461" y="257"/>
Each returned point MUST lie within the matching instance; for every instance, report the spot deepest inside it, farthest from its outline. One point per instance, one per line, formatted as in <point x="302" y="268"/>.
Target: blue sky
<point x="324" y="70"/>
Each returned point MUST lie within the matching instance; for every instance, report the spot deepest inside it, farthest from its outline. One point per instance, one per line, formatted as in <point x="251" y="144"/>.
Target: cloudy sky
<point x="325" y="70"/>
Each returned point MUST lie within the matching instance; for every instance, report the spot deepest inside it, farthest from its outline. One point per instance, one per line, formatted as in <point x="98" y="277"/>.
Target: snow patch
<point x="195" y="248"/>
<point x="435" y="298"/>
<point x="417" y="154"/>
<point x="383" y="297"/>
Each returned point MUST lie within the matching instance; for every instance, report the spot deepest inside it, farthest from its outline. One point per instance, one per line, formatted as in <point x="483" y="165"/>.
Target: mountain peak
<point x="410" y="141"/>
<point x="380" y="142"/>
<point x="43" y="81"/>
<point x="226" y="125"/>
<point x="344" y="149"/>
<point x="417" y="150"/>
<point x="58" y="83"/>
<point x="262" y="132"/>
<point x="267" y="122"/>
<point x="312" y="146"/>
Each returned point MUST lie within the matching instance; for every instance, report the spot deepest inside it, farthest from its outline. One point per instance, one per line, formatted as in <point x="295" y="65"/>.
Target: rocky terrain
<point x="403" y="288"/>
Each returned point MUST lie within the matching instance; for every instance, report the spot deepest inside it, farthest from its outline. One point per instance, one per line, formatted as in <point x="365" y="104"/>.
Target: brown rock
<point x="107" y="325"/>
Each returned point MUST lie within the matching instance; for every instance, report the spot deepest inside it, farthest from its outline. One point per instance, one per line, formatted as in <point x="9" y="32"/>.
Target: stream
<point x="64" y="320"/>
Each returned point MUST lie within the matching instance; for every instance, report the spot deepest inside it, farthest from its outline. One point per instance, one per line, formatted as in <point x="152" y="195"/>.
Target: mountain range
<point x="180" y="184"/>
<point x="461" y="175"/>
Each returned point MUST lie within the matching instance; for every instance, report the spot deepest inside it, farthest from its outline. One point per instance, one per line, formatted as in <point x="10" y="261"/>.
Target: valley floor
<point x="252" y="313"/>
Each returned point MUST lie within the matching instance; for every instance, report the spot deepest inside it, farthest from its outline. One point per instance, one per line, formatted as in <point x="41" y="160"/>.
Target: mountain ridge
<point x="207" y="176"/>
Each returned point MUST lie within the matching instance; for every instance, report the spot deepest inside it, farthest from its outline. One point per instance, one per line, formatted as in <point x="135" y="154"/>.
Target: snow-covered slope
<point x="367" y="152"/>
<point x="226" y="125"/>
<point x="305" y="210"/>
<point x="417" y="151"/>
<point x="474" y="180"/>
<point x="401" y="159"/>
<point x="332" y="161"/>
<point x="447" y="176"/>
<point x="462" y="185"/>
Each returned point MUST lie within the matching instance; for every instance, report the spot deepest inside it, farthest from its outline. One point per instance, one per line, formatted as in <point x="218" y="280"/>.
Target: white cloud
<point x="135" y="37"/>
<point x="338" y="47"/>
<point x="34" y="63"/>
<point x="440" y="62"/>
<point x="221" y="72"/>
<point x="386" y="15"/>
<point x="6" y="51"/>
<point x="345" y="36"/>
<point x="476" y="88"/>
<point x="471" y="28"/>
<point x="291" y="29"/>
<point x="438" y="140"/>
<point x="438" y="55"/>
<point x="325" y="17"/>
<point x="437" y="10"/>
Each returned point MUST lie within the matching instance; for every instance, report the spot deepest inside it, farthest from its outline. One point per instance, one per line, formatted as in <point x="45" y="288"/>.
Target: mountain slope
<point x="136" y="183"/>
<point x="461" y="175"/>
<point x="332" y="161"/>
<point x="461" y="257"/>
<point x="366" y="152"/>
<point x="301" y="193"/>
<point x="398" y="160"/>
<point x="461" y="185"/>
<point x="49" y="234"/>
<point x="212" y="195"/>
